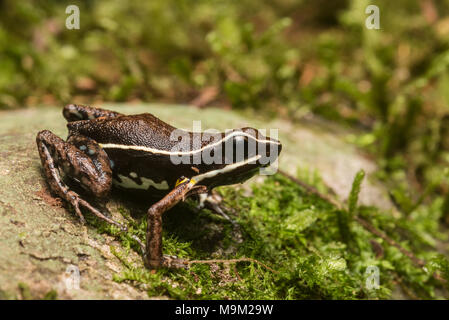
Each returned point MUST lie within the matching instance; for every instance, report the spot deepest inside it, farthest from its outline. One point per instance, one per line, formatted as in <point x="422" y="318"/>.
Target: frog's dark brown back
<point x="139" y="130"/>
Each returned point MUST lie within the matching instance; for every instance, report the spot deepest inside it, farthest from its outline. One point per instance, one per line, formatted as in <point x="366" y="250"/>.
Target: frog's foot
<point x="174" y="262"/>
<point x="167" y="261"/>
<point x="202" y="197"/>
<point x="76" y="201"/>
<point x="213" y="201"/>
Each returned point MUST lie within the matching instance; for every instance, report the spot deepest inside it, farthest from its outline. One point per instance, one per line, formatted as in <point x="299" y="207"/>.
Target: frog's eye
<point x="240" y="146"/>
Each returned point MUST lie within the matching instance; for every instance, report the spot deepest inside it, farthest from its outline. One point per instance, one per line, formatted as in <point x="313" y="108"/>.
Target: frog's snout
<point x="273" y="150"/>
<point x="256" y="143"/>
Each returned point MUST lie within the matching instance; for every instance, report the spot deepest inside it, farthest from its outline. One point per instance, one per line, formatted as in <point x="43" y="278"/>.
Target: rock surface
<point x="40" y="240"/>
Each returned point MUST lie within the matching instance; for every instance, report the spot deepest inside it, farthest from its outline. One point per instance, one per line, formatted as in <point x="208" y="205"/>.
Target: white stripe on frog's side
<point x="228" y="168"/>
<point x="129" y="183"/>
<point x="179" y="153"/>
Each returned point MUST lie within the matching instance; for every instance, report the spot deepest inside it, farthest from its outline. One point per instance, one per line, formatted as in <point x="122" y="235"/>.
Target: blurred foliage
<point x="291" y="58"/>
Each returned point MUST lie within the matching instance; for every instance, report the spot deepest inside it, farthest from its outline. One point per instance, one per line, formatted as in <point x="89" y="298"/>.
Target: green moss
<point x="299" y="235"/>
<point x="51" y="295"/>
<point x="24" y="290"/>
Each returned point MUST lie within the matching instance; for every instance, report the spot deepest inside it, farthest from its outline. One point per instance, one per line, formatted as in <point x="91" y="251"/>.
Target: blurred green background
<point x="289" y="58"/>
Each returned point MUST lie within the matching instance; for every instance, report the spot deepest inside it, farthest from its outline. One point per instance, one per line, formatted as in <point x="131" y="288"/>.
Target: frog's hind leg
<point x="75" y="112"/>
<point x="91" y="169"/>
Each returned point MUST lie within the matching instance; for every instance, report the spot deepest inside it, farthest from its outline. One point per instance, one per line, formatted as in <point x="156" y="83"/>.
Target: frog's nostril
<point x="272" y="152"/>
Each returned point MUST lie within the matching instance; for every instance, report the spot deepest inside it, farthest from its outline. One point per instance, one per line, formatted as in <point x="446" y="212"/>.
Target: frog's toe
<point x="73" y="199"/>
<point x="201" y="201"/>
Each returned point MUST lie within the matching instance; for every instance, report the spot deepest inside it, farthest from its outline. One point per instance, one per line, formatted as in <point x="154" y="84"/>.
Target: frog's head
<point x="243" y="152"/>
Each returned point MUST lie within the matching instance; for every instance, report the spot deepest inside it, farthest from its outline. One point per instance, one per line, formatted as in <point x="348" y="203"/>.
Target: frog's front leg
<point x="91" y="169"/>
<point x="153" y="251"/>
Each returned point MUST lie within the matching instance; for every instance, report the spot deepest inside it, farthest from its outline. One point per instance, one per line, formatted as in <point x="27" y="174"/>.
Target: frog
<point x="150" y="158"/>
